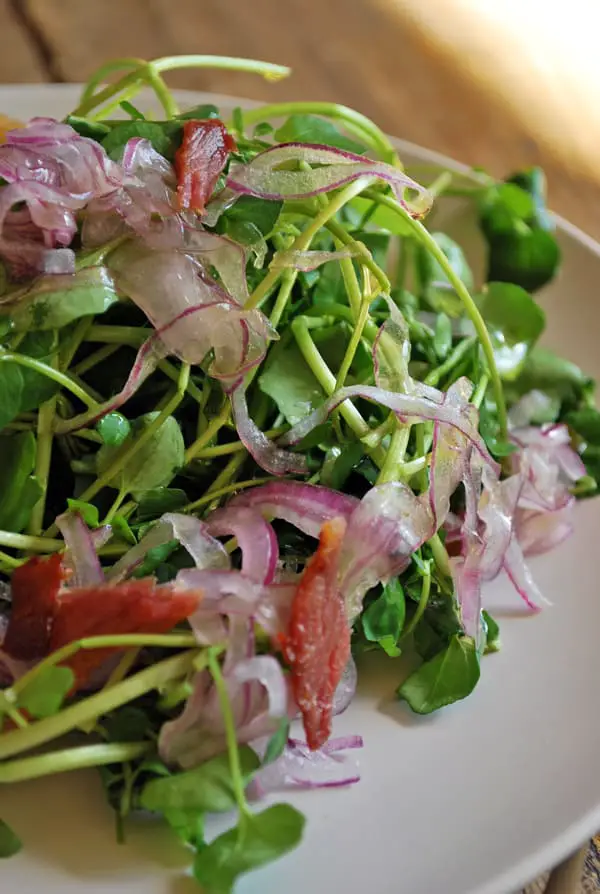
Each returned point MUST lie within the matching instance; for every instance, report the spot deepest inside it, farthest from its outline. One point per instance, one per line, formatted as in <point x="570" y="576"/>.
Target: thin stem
<point x="362" y="313"/>
<point x="76" y="715"/>
<point x="29" y="542"/>
<point x="390" y="471"/>
<point x="43" y="458"/>
<point x="440" y="555"/>
<point x="45" y="370"/>
<point x="422" y="603"/>
<point x="209" y="433"/>
<point x="94" y="359"/>
<point x="115" y="506"/>
<point x="78" y="336"/>
<point x="72" y="759"/>
<point x="237" y="446"/>
<point x="479" y="393"/>
<point x="452" y="360"/>
<point x="108" y="68"/>
<point x="237" y="778"/>
<point x="212" y="495"/>
<point x="364" y="256"/>
<point x="288" y="279"/>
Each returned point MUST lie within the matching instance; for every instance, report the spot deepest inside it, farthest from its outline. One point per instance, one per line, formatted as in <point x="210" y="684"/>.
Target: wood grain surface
<point x="425" y="71"/>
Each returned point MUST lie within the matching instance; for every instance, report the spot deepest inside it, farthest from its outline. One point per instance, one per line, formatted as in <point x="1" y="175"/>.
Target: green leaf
<point x="165" y="137"/>
<point x="87" y="511"/>
<point x="113" y="429"/>
<point x="383" y="619"/>
<point x="552" y="374"/>
<point x="19" y="488"/>
<point x="529" y="259"/>
<point x="10" y="843"/>
<point x="127" y="724"/>
<point x="502" y="207"/>
<point x="492" y="637"/>
<point x="345" y="460"/>
<point x="152" y="503"/>
<point x="43" y="306"/>
<point x="586" y="423"/>
<point x="312" y="129"/>
<point x="446" y="678"/>
<point x="289" y="381"/>
<point x="261" y="213"/>
<point x="205" y="789"/>
<point x="515" y="323"/>
<point x="120" y="528"/>
<point x="382" y="218"/>
<point x="94" y="130"/>
<point x="36" y="387"/>
<point x="277" y="742"/>
<point x="131" y="110"/>
<point x="44" y="695"/>
<point x="154" y="465"/>
<point x="154" y="558"/>
<point x="199" y="113"/>
<point x="11" y="392"/>
<point x="442" y="339"/>
<point x="259" y="839"/>
<point x="533" y="182"/>
<point x="435" y="286"/>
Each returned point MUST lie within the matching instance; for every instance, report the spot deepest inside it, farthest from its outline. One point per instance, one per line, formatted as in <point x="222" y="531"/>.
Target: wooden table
<point x="423" y="69"/>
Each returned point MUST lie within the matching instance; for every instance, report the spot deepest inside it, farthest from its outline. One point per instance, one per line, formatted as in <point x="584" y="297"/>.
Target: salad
<point x="257" y="420"/>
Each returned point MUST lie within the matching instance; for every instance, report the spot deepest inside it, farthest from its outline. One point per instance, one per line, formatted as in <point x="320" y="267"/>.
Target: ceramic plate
<point x="478" y="798"/>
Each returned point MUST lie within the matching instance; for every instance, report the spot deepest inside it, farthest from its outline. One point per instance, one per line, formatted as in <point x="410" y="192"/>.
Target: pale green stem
<point x="216" y="494"/>
<point x="71" y="759"/>
<point x="237" y="778"/>
<point x="45" y="370"/>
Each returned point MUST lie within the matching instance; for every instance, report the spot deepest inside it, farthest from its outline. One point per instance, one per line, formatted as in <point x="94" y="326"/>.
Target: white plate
<point x="477" y="799"/>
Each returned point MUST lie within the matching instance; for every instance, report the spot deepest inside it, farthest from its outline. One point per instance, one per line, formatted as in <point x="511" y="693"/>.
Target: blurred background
<point x="498" y="84"/>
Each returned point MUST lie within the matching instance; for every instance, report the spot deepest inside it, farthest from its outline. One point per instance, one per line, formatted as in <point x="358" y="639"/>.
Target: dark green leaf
<point x="87" y="511"/>
<point x="529" y="259"/>
<point x="383" y="619"/>
<point x="131" y="110"/>
<point x="492" y="638"/>
<point x="312" y="129"/>
<point x="262" y="129"/>
<point x="165" y="137"/>
<point x="347" y="458"/>
<point x="258" y="840"/>
<point x="36" y="387"/>
<point x="46" y="692"/>
<point x="503" y="207"/>
<point x="155" y="557"/>
<point x="152" y="503"/>
<point x="435" y="286"/>
<point x="199" y="113"/>
<point x="11" y="391"/>
<point x="277" y="742"/>
<point x="120" y="528"/>
<point x="19" y="489"/>
<point x="448" y="677"/>
<point x="533" y="181"/>
<point x="154" y="465"/>
<point x="94" y="130"/>
<point x="206" y="789"/>
<point x="289" y="381"/>
<point x="10" y="843"/>
<point x="515" y="323"/>
<point x="43" y="306"/>
<point x="586" y="423"/>
<point x="552" y="374"/>
<point x="261" y="213"/>
<point x="127" y="724"/>
<point x="113" y="429"/>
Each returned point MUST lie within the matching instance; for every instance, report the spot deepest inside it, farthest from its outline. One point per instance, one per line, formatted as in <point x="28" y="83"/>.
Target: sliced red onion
<point x="267" y="671"/>
<point x="226" y="256"/>
<point x="405" y="406"/>
<point x="391" y="353"/>
<point x="531" y="406"/>
<point x="263" y="176"/>
<point x="59" y="261"/>
<point x="256" y="539"/>
<point x="521" y="578"/>
<point x="81" y="556"/>
<point x="383" y="532"/>
<point x="346" y="689"/>
<point x="191" y="533"/>
<point x="540" y="532"/>
<point x="306" y="506"/>
<point x="548" y="464"/>
<point x="268" y="456"/>
<point x="299" y="767"/>
<point x="306" y="261"/>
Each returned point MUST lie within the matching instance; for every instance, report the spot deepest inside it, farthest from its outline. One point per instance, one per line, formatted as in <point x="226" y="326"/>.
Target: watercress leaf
<point x="529" y="258"/>
<point x="381" y="218"/>
<point x="19" y="489"/>
<point x="199" y="113"/>
<point x="165" y="137"/>
<point x="127" y="724"/>
<point x="502" y="207"/>
<point x="442" y="339"/>
<point x="377" y="243"/>
<point x="330" y="288"/>
<point x="533" y="182"/>
<point x="113" y="429"/>
<point x="44" y="695"/>
<point x="154" y="465"/>
<point x="277" y="742"/>
<point x="205" y="789"/>
<point x="435" y="286"/>
<point x="87" y="511"/>
<point x="586" y="423"/>
<point x="258" y="840"/>
<point x="152" y="503"/>
<point x="449" y="676"/>
<point x="383" y="619"/>
<point x="347" y="459"/>
<point x="288" y="380"/>
<point x="546" y="371"/>
<point x="10" y="843"/>
<point x="155" y="557"/>
<point x="131" y="110"/>
<point x="37" y="388"/>
<point x="515" y="322"/>
<point x="11" y="390"/>
<point x="120" y="528"/>
<point x="261" y="213"/>
<point x="94" y="130"/>
<point x="492" y="637"/>
<point x="47" y="305"/>
<point x="263" y="129"/>
<point x="312" y="129"/>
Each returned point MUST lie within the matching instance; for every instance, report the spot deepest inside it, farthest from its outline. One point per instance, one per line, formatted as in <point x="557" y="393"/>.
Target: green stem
<point x="479" y="393"/>
<point x="232" y="745"/>
<point x="211" y="495"/>
<point x="461" y="290"/>
<point x="72" y="759"/>
<point x="76" y="715"/>
<point x="43" y="458"/>
<point x="77" y="337"/>
<point x="29" y="542"/>
<point x="440" y="555"/>
<point x="362" y="313"/>
<point x="115" y="507"/>
<point x="289" y="277"/>
<point x="391" y="469"/>
<point x="237" y="446"/>
<point x="354" y="122"/>
<point x="134" y="336"/>
<point x="108" y="68"/>
<point x="421" y="605"/>
<point x="45" y="370"/>
<point x="363" y="255"/>
<point x="94" y="358"/>
<point x="452" y="360"/>
<point x="209" y="433"/>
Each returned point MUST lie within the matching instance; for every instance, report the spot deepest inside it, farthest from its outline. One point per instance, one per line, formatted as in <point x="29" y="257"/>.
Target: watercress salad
<point x="257" y="419"/>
